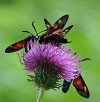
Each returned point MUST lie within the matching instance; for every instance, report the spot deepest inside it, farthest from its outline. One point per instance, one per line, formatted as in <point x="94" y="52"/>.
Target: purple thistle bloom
<point x="63" y="60"/>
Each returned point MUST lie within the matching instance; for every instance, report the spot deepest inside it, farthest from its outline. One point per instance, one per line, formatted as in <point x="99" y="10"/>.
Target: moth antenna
<point x="42" y="31"/>
<point x="34" y="28"/>
<point x="27" y="32"/>
<point x="85" y="59"/>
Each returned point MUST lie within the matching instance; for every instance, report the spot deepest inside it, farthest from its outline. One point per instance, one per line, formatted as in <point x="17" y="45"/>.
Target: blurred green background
<point x="17" y="15"/>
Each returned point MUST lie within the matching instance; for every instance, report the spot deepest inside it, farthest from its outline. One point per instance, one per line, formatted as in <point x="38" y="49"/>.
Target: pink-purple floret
<point x="64" y="60"/>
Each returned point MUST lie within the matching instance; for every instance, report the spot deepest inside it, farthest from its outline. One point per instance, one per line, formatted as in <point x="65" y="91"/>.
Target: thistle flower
<point x="49" y="63"/>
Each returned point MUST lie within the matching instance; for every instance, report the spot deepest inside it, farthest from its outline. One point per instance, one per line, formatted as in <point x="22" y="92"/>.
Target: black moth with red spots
<point x="54" y="33"/>
<point x="19" y="45"/>
<point x="50" y="36"/>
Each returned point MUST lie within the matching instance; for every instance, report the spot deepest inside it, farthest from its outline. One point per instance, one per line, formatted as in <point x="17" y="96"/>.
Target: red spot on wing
<point x="58" y="25"/>
<point x="57" y="31"/>
<point x="16" y="46"/>
<point x="48" y="25"/>
<point x="81" y="87"/>
<point x="66" y="30"/>
<point x="60" y="21"/>
<point x="79" y="83"/>
<point x="55" y="27"/>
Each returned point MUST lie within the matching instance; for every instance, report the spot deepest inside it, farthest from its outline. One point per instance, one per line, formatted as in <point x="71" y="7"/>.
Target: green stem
<point x="41" y="92"/>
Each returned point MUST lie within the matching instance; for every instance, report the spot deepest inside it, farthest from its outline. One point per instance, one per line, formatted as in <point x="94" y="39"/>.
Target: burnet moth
<point x="56" y="34"/>
<point x="23" y="43"/>
<point x="81" y="86"/>
<point x="78" y="83"/>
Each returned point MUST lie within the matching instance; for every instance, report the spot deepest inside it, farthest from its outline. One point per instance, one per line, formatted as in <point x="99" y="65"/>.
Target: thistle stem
<point x="40" y="95"/>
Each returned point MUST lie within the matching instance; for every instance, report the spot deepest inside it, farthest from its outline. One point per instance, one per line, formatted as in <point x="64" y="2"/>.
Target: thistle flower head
<point x="48" y="63"/>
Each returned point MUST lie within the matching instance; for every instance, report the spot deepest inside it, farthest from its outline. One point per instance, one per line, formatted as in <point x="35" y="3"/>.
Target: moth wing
<point x="48" y="25"/>
<point x="66" y="30"/>
<point x="60" y="23"/>
<point x="66" y="86"/>
<point x="81" y="87"/>
<point x="16" y="46"/>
